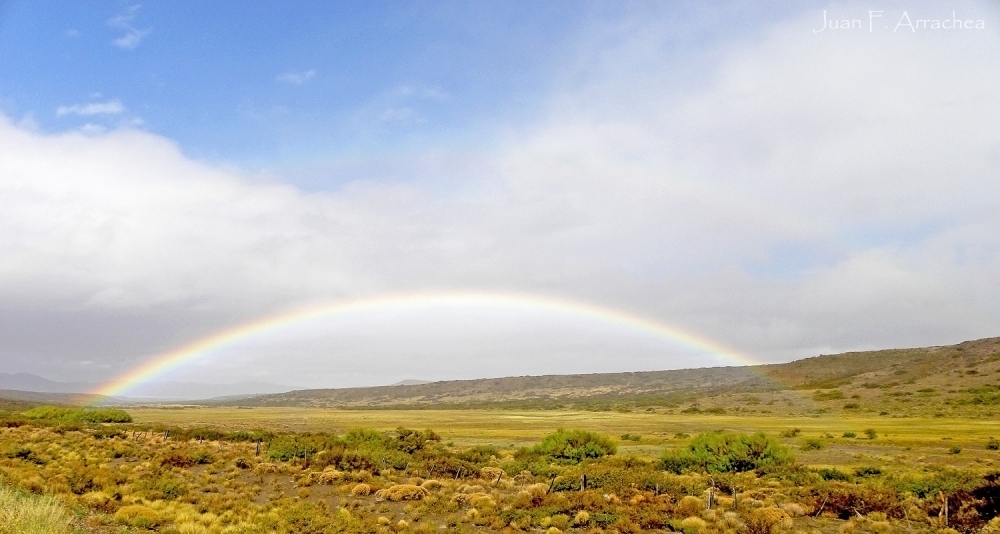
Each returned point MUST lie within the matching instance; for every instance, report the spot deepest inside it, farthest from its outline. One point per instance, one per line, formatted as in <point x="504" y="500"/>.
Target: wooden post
<point x="166" y="434"/>
<point x="551" y="485"/>
<point x="498" y="479"/>
<point x="944" y="508"/>
<point x="711" y="496"/>
<point x="656" y="492"/>
<point x="736" y="504"/>
<point x="583" y="482"/>
<point x="458" y="473"/>
<point x="257" y="452"/>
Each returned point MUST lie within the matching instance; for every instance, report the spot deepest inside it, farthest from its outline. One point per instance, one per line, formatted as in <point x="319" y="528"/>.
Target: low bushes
<point x="79" y="415"/>
<point x="575" y="445"/>
<point x="724" y="452"/>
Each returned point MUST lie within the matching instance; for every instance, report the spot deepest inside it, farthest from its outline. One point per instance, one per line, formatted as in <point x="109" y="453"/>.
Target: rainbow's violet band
<point x="165" y="363"/>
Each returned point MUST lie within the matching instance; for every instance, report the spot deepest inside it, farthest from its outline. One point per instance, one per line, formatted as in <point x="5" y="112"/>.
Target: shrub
<point x="284" y="449"/>
<point x="870" y="432"/>
<point x="723" y="452"/>
<point x="849" y="434"/>
<point x="812" y="444"/>
<point x="401" y="492"/>
<point x="575" y="445"/>
<point x="767" y="521"/>
<point x="868" y="471"/>
<point x="138" y="516"/>
<point x="828" y="473"/>
<point x="79" y="415"/>
<point x="411" y="441"/>
<point x="791" y="432"/>
<point x="993" y="444"/>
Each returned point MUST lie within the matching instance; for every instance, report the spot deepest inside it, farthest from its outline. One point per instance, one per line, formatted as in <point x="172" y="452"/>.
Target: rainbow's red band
<point x="164" y="363"/>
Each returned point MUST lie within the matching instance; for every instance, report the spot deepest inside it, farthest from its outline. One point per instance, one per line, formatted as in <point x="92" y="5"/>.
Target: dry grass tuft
<point x="28" y="514"/>
<point x="361" y="490"/>
<point x="401" y="492"/>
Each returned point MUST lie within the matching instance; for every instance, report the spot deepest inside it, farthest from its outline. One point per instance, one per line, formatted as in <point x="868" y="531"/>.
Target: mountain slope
<point x="886" y="377"/>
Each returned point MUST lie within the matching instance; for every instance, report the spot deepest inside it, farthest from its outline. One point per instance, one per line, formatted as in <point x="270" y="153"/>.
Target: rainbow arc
<point x="186" y="354"/>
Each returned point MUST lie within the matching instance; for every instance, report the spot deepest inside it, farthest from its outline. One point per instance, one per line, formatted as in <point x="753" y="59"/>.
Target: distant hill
<point x="162" y="391"/>
<point x="15" y="397"/>
<point x="30" y="382"/>
<point x="903" y="380"/>
<point x="411" y="382"/>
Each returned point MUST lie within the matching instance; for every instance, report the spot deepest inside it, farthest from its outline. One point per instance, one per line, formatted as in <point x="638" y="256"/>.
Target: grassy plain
<point x="894" y="442"/>
<point x="899" y="439"/>
<point x="199" y="470"/>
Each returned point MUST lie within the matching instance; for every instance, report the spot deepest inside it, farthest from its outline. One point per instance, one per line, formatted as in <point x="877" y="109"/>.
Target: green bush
<point x="287" y="447"/>
<point x="812" y="444"/>
<point x="79" y="415"/>
<point x="829" y="473"/>
<point x="575" y="445"/>
<point x="724" y="452"/>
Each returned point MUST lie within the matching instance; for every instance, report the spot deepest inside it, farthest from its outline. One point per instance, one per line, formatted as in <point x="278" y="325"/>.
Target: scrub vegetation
<point x="844" y="444"/>
<point x="219" y="478"/>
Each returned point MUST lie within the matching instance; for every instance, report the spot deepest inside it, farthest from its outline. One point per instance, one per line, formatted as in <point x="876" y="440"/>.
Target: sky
<point x="784" y="179"/>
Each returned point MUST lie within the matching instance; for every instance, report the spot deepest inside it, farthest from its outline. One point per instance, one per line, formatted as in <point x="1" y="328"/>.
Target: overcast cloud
<point x="807" y="193"/>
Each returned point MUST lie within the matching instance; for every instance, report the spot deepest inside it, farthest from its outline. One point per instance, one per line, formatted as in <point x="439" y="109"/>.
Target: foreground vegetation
<point x="227" y="477"/>
<point x="23" y="513"/>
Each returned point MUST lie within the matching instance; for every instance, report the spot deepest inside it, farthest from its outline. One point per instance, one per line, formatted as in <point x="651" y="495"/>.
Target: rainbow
<point x="165" y="363"/>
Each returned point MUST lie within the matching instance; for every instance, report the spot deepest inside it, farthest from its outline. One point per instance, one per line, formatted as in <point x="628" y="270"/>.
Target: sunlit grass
<point x="22" y="513"/>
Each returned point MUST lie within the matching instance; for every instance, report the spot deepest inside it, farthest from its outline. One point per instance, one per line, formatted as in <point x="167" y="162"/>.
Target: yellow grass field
<point x="910" y="437"/>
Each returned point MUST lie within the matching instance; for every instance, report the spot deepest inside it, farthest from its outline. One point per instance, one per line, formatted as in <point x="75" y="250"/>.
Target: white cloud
<point x="296" y="78"/>
<point x="422" y="92"/>
<point x="793" y="200"/>
<point x="397" y="115"/>
<point x="133" y="36"/>
<point x="93" y="129"/>
<point x="111" y="107"/>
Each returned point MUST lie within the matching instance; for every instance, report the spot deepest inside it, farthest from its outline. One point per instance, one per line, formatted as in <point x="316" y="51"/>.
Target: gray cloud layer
<point x="814" y="192"/>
